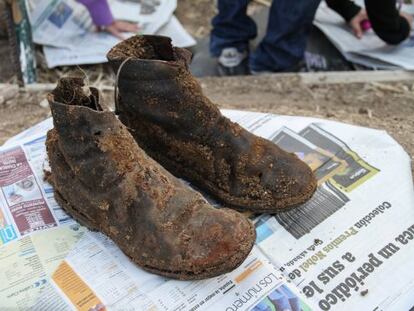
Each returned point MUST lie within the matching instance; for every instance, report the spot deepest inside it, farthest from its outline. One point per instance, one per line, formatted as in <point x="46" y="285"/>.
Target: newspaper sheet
<point x="347" y="248"/>
<point x="370" y="50"/>
<point x="69" y="37"/>
<point x="97" y="53"/>
<point x="98" y="277"/>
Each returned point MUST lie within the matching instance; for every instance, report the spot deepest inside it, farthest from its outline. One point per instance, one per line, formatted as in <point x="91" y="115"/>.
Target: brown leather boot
<point x="106" y="182"/>
<point x="163" y="106"/>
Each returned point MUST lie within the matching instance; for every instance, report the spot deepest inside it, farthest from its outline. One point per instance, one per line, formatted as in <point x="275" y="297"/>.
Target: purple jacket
<point x="99" y="11"/>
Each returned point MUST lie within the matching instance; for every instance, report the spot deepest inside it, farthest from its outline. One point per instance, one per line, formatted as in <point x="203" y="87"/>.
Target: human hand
<point x="118" y="27"/>
<point x="408" y="17"/>
<point x="356" y="21"/>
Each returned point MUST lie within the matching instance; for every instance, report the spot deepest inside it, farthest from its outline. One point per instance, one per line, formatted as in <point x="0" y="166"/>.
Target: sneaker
<point x="233" y="63"/>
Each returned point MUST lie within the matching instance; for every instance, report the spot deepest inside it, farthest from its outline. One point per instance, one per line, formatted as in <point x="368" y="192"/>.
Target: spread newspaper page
<point x="349" y="248"/>
<point x="68" y="36"/>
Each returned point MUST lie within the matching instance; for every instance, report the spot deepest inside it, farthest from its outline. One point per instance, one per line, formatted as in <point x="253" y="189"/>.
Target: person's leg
<point x="284" y="44"/>
<point x="232" y="28"/>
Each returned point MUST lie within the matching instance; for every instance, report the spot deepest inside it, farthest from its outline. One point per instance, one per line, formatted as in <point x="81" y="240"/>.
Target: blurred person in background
<point x="104" y="21"/>
<point x="283" y="47"/>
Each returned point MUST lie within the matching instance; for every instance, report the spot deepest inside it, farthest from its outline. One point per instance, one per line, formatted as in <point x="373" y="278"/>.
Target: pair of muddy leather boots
<point x="116" y="176"/>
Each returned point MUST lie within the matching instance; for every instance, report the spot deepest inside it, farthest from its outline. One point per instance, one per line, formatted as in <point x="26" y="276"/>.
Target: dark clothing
<point x="232" y="27"/>
<point x="383" y="15"/>
<point x="347" y="9"/>
<point x="386" y="21"/>
<point x="282" y="47"/>
<point x="289" y="24"/>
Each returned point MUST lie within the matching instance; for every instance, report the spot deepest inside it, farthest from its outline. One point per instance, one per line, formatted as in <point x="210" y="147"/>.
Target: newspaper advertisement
<point x="370" y="50"/>
<point x="27" y="202"/>
<point x="347" y="248"/>
<point x="69" y="37"/>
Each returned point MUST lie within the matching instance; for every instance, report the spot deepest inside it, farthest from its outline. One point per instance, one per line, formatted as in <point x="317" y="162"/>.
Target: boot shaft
<point x="96" y="146"/>
<point x="158" y="85"/>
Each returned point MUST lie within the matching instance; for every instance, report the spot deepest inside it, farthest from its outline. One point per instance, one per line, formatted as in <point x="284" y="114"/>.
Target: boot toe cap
<point x="290" y="183"/>
<point x="222" y="245"/>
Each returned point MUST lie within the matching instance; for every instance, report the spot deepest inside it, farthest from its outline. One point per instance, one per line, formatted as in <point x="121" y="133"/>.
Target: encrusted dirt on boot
<point x="106" y="182"/>
<point x="163" y="106"/>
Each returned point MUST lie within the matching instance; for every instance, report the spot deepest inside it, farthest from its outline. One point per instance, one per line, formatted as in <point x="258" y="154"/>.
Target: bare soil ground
<point x="196" y="15"/>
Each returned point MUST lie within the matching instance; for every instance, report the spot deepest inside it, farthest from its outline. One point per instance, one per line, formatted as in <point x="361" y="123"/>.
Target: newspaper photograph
<point x="321" y="161"/>
<point x="21" y="194"/>
<point x="347" y="248"/>
<point x="355" y="172"/>
<point x="27" y="201"/>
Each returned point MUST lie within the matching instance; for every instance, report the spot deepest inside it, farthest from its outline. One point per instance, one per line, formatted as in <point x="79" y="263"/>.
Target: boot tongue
<point x="72" y="91"/>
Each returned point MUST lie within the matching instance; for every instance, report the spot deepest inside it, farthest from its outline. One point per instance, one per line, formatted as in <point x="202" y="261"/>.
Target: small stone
<point x="9" y="92"/>
<point x="2" y="100"/>
<point x="44" y="103"/>
<point x="363" y="110"/>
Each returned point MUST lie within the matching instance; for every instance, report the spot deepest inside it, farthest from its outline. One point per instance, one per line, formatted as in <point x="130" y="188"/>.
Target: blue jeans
<point x="284" y="44"/>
